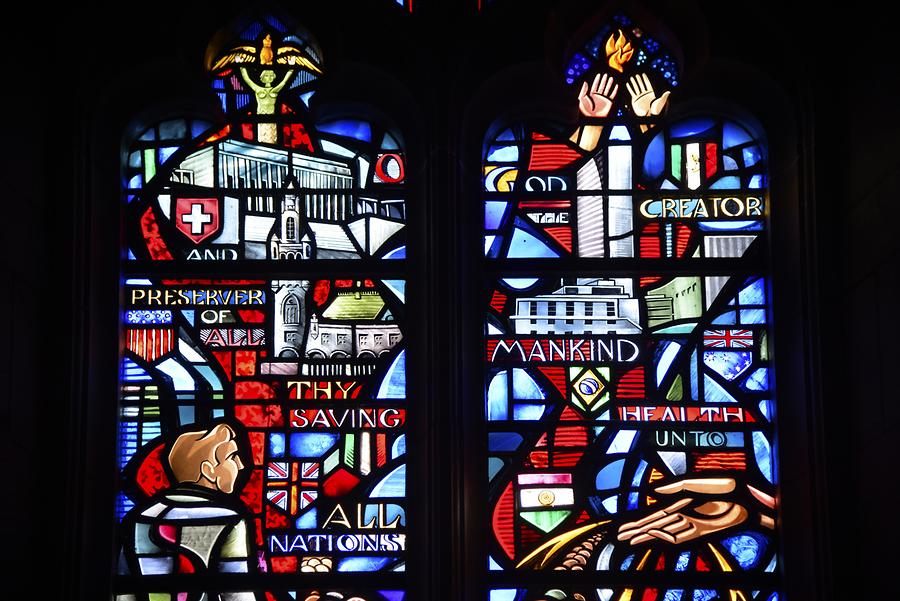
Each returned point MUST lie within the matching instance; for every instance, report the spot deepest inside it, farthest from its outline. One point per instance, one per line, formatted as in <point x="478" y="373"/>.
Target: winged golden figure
<point x="286" y="54"/>
<point x="286" y="60"/>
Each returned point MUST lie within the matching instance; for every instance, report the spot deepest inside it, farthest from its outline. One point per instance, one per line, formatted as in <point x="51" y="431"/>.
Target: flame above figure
<point x="619" y="51"/>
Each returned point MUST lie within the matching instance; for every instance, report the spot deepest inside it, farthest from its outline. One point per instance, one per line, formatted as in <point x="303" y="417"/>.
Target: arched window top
<point x="626" y="181"/>
<point x="628" y="387"/>
<point x="263" y="419"/>
<point x="211" y="189"/>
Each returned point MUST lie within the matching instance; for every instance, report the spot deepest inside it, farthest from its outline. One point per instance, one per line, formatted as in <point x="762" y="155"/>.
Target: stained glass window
<point x="263" y="414"/>
<point x="628" y="384"/>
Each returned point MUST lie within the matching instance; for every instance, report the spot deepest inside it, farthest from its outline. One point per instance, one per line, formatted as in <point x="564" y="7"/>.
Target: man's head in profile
<point x="208" y="458"/>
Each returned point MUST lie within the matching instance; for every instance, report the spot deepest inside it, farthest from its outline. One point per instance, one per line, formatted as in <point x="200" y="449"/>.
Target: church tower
<point x="294" y="240"/>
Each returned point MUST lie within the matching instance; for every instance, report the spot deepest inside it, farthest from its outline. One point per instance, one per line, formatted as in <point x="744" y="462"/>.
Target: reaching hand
<point x="598" y="101"/>
<point x="643" y="100"/>
<point x="683" y="520"/>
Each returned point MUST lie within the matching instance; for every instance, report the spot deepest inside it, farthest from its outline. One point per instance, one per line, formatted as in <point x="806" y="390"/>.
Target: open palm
<point x="598" y="100"/>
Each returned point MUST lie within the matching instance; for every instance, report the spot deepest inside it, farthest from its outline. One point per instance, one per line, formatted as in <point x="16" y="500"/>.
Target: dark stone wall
<point x="73" y="81"/>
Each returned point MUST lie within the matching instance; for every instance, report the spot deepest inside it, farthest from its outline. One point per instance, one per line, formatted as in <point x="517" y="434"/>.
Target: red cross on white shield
<point x="197" y="218"/>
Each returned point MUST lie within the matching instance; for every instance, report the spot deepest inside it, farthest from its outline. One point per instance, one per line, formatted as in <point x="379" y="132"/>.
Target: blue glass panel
<point x="763" y="453"/>
<point x="757" y="182"/>
<point x="276" y="23"/>
<point x="619" y="132"/>
<point x="506" y="135"/>
<point x="524" y="386"/>
<point x="488" y="243"/>
<point x="503" y="594"/>
<point x="670" y="351"/>
<point x="394" y="384"/>
<point x="181" y="378"/>
<point x="495" y="464"/>
<point x="681" y="564"/>
<point x="362" y="564"/>
<point x="627" y="562"/>
<point x="173" y="130"/>
<point x="639" y="473"/>
<point x="632" y="500"/>
<point x="493" y="214"/>
<point x="733" y="134"/>
<point x="753" y="294"/>
<point x="721" y="226"/>
<point x="398" y="287"/>
<point x="524" y="245"/>
<point x="752" y="156"/>
<point x="714" y="393"/>
<point x="611" y="504"/>
<point x="725" y="319"/>
<point x="252" y="32"/>
<point x="673" y="595"/>
<point x="397" y="253"/>
<point x="610" y="476"/>
<point x="758" y="380"/>
<point x="165" y="152"/>
<point x="399" y="446"/>
<point x="148" y="135"/>
<point x="520" y="283"/>
<point x="276" y="444"/>
<point x="528" y="412"/>
<point x="198" y="128"/>
<point x="728" y="163"/>
<point x="690" y="127"/>
<point x="695" y="366"/>
<point x="503" y="154"/>
<point x="729" y="182"/>
<point x="210" y="376"/>
<point x="307" y="521"/>
<point x="132" y="372"/>
<point x="504" y="441"/>
<point x="393" y="485"/>
<point x="704" y="595"/>
<point x="746" y="548"/>
<point x="349" y="128"/>
<point x="312" y="445"/>
<point x="655" y="157"/>
<point x="753" y="316"/>
<point x="493" y="565"/>
<point x="497" y="397"/>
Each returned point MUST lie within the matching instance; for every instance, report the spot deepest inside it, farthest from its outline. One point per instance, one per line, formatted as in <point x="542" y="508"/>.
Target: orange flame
<point x="618" y="50"/>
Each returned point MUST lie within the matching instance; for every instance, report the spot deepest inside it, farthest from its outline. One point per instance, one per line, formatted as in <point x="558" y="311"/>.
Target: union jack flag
<point x="728" y="339"/>
<point x="278" y="470"/>
<point x="309" y="471"/>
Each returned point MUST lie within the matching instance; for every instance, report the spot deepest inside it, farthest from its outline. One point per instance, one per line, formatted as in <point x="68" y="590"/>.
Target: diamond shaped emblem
<point x="589" y="388"/>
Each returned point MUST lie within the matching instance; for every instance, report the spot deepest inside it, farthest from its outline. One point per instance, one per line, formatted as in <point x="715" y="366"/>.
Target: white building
<point x="587" y="307"/>
<point x="357" y="324"/>
<point x="290" y="317"/>
<point x="251" y="166"/>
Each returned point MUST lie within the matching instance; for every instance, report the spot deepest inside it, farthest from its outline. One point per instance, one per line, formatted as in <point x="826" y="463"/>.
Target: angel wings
<point x="287" y="54"/>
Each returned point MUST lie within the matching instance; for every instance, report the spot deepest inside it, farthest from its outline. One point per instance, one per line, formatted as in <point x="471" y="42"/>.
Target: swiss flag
<point x="197" y="218"/>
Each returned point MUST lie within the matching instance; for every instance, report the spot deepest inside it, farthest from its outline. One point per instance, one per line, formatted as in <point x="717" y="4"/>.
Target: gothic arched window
<point x="260" y="434"/>
<point x="628" y="383"/>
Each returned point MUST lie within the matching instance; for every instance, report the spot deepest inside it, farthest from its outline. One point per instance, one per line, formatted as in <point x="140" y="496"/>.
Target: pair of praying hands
<point x="597" y="100"/>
